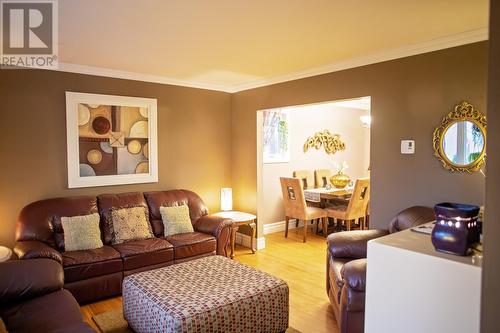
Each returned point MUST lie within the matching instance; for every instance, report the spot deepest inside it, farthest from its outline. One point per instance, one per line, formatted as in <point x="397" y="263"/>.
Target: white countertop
<point x="420" y="243"/>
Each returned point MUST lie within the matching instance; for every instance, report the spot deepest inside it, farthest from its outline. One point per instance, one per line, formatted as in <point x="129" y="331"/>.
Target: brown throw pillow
<point x="130" y="224"/>
<point x="81" y="232"/>
<point x="176" y="220"/>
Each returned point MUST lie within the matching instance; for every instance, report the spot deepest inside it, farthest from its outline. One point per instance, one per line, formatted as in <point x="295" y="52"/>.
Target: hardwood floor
<point x="301" y="265"/>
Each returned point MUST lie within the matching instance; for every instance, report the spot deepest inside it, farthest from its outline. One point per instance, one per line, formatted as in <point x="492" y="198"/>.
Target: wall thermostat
<point x="407" y="146"/>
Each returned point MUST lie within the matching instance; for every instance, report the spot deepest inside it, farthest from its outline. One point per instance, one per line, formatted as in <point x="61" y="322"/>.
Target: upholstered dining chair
<point x="322" y="177"/>
<point x="295" y="205"/>
<point x="307" y="177"/>
<point x="356" y="208"/>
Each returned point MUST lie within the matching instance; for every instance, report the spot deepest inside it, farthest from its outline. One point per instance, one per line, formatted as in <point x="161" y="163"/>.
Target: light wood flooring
<point x="301" y="265"/>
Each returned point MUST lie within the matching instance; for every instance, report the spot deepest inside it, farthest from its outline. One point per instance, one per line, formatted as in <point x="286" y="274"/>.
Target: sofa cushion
<point x="106" y="202"/>
<point x="41" y="220"/>
<point x="145" y="252"/>
<point x="354" y="274"/>
<point x="159" y="199"/>
<point x="55" y="311"/>
<point x="130" y="224"/>
<point x="21" y="280"/>
<point x="192" y="244"/>
<point x="335" y="274"/>
<point x="176" y="220"/>
<point x="81" y="232"/>
<point x="80" y="265"/>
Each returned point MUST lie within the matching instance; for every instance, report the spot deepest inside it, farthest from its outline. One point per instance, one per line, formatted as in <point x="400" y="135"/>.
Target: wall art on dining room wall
<point x="112" y="140"/>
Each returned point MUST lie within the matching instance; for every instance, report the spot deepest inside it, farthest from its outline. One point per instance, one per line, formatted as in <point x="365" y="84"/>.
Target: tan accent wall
<point x="409" y="98"/>
<point x="194" y="133"/>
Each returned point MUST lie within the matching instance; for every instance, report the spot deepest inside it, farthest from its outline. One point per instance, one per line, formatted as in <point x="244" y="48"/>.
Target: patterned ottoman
<point x="211" y="294"/>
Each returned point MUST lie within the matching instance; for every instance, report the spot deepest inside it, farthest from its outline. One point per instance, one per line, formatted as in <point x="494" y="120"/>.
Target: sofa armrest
<point x="36" y="249"/>
<point x="354" y="274"/>
<point x="352" y="244"/>
<point x="219" y="227"/>
<point x="25" y="279"/>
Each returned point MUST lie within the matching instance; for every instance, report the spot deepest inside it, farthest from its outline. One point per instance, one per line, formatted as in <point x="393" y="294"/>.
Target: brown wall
<point x="491" y="242"/>
<point x="409" y="98"/>
<point x="207" y="139"/>
<point x="193" y="138"/>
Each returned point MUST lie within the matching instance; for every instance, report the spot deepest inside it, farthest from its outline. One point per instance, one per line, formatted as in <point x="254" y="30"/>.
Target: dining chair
<point x="295" y="205"/>
<point x="357" y="206"/>
<point x="322" y="177"/>
<point x="307" y="177"/>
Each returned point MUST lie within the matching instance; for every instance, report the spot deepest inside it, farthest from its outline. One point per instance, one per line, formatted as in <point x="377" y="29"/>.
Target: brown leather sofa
<point x="93" y="274"/>
<point x="346" y="267"/>
<point x="32" y="298"/>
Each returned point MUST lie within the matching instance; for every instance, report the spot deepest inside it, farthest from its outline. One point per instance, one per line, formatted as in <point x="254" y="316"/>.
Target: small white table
<point x="5" y="253"/>
<point x="239" y="219"/>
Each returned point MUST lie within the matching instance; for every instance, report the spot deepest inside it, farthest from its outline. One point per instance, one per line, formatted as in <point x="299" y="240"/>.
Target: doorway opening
<point x="332" y="136"/>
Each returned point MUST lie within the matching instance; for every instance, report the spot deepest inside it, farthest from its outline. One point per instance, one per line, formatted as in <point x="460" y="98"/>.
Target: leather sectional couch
<point x="93" y="274"/>
<point x="346" y="266"/>
<point x="32" y="298"/>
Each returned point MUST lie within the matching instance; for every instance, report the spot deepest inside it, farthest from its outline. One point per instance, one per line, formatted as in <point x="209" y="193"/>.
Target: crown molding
<point x="463" y="38"/>
<point x="119" y="74"/>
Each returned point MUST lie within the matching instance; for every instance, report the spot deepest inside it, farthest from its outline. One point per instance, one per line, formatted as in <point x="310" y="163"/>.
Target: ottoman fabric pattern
<point x="211" y="294"/>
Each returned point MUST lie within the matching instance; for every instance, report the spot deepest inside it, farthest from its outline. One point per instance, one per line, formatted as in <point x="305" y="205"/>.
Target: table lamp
<point x="226" y="199"/>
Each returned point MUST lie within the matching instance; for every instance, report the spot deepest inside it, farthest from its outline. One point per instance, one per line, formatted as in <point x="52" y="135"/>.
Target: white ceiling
<point x="232" y="45"/>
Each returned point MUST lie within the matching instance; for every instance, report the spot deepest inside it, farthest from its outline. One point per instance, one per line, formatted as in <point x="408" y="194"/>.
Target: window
<point x="276" y="137"/>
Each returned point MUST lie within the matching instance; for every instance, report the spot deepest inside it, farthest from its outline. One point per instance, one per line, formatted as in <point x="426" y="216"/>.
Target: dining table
<point x="323" y="193"/>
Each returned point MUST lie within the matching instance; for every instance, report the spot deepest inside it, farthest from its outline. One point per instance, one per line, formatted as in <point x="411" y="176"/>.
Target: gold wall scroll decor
<point x="459" y="141"/>
<point x="330" y="142"/>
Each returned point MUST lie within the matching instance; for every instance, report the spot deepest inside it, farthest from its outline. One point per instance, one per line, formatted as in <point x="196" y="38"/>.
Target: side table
<point x="240" y="218"/>
<point x="5" y="253"/>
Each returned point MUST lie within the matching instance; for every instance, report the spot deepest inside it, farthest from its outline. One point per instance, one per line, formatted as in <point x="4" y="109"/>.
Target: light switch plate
<point x="407" y="146"/>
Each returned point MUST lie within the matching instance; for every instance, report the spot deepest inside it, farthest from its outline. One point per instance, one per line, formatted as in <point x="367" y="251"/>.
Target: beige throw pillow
<point x="81" y="232"/>
<point x="176" y="220"/>
<point x="130" y="224"/>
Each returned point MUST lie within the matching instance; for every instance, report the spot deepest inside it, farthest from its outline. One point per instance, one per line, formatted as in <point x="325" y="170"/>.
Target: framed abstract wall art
<point x="112" y="140"/>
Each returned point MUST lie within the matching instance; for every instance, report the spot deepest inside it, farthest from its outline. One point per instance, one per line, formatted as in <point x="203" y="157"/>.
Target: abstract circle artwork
<point x="142" y="167"/>
<point x="134" y="147"/>
<point x="83" y="114"/>
<point x="86" y="170"/>
<point x="143" y="112"/>
<point x="94" y="156"/>
<point x="139" y="129"/>
<point x="101" y="125"/>
<point x="145" y="150"/>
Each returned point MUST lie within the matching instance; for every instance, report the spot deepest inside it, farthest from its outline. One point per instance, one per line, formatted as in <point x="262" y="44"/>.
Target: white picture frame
<point x="74" y="100"/>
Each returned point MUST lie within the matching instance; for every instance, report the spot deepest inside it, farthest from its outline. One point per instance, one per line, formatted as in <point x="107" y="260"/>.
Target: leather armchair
<point x="32" y="298"/>
<point x="346" y="266"/>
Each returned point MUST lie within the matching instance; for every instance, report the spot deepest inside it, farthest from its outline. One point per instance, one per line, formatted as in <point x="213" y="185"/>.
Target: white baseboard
<point x="271" y="228"/>
<point x="245" y="240"/>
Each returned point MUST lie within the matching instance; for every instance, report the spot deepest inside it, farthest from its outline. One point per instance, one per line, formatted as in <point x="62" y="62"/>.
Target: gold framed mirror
<point x="460" y="140"/>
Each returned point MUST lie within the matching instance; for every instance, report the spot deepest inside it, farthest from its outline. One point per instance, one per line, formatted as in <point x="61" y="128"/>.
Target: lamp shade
<point x="226" y="198"/>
